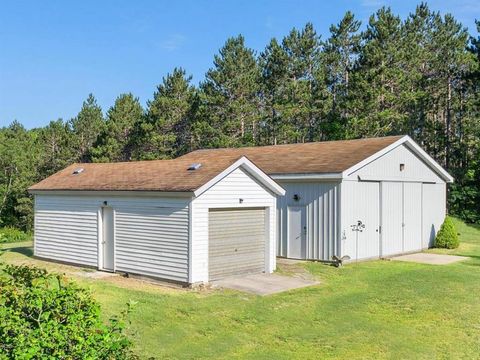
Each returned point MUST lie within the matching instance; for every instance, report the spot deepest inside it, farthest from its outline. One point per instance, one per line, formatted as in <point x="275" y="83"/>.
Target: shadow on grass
<point x="473" y="226"/>
<point x="24" y="250"/>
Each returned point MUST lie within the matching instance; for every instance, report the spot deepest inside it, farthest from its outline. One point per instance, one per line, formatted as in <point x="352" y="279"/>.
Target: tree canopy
<point x="418" y="76"/>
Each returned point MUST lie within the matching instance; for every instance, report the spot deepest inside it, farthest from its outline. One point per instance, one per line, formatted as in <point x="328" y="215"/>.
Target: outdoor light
<point x="402" y="167"/>
<point x="240" y="201"/>
<point x="296" y="197"/>
<point x="105" y="203"/>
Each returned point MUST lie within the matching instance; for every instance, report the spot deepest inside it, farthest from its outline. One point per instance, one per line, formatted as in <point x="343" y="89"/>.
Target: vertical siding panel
<point x="320" y="199"/>
<point x="388" y="166"/>
<point x="433" y="211"/>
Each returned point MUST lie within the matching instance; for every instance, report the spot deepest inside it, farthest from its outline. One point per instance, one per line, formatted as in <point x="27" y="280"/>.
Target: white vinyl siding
<point x="152" y="240"/>
<point x="66" y="229"/>
<point x="227" y="194"/>
<point x="151" y="234"/>
<point x="322" y="217"/>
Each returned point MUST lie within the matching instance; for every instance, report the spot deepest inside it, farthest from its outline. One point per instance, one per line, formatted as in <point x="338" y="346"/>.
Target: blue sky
<point x="54" y="53"/>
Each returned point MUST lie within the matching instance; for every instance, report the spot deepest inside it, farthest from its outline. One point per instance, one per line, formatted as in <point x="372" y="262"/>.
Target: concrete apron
<point x="431" y="259"/>
<point x="263" y="284"/>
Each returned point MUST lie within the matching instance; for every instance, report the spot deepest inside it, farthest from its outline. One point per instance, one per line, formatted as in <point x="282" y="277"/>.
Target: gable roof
<point x="305" y="158"/>
<point x="338" y="158"/>
<point x="151" y="175"/>
<point x="319" y="158"/>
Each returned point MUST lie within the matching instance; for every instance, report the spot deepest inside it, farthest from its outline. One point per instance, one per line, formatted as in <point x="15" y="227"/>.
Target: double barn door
<point x="401" y="217"/>
<point x="383" y="219"/>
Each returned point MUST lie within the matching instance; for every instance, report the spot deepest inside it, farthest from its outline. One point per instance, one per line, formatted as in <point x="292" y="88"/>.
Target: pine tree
<point x="165" y="131"/>
<point x="87" y="125"/>
<point x="302" y="106"/>
<point x="419" y="55"/>
<point x="340" y="57"/>
<point x="230" y="98"/>
<point x="379" y="80"/>
<point x="274" y="66"/>
<point x="452" y="63"/>
<point x="56" y="139"/>
<point x="113" y="142"/>
<point x="19" y="153"/>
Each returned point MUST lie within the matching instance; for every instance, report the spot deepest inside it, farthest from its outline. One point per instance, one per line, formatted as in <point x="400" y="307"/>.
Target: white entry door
<point x="392" y="218"/>
<point x="107" y="239"/>
<point x="297" y="232"/>
<point x="412" y="217"/>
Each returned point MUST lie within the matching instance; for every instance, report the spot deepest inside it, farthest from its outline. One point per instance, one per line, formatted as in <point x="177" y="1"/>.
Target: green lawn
<point x="380" y="309"/>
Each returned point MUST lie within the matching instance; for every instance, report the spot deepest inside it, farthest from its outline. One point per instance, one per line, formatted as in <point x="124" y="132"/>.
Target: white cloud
<point x="269" y="23"/>
<point x="372" y="3"/>
<point x="173" y="42"/>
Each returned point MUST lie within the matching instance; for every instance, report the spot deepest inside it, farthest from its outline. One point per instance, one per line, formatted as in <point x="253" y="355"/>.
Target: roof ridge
<point x="290" y="144"/>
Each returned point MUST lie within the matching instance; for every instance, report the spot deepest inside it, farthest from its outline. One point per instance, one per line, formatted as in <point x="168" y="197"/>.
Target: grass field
<point x="371" y="310"/>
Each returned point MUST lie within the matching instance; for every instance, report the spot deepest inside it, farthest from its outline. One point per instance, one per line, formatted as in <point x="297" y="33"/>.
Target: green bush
<point x="447" y="237"/>
<point x="45" y="317"/>
<point x="10" y="235"/>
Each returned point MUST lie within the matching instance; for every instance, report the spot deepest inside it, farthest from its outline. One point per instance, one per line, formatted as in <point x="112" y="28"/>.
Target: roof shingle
<point x="173" y="176"/>
<point x="306" y="158"/>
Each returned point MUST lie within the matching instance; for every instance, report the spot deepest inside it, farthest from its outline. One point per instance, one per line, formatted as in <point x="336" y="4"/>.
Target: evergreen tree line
<point x="418" y="76"/>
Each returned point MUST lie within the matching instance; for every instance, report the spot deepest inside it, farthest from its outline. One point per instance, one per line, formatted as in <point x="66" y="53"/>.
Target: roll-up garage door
<point x="236" y="242"/>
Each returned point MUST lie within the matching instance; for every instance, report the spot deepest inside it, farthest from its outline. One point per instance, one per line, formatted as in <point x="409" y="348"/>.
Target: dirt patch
<point x="295" y="268"/>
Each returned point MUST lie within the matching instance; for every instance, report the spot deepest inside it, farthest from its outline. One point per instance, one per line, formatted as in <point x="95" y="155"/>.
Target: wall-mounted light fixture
<point x="240" y="201"/>
<point x="105" y="203"/>
<point x="402" y="167"/>
<point x="296" y="197"/>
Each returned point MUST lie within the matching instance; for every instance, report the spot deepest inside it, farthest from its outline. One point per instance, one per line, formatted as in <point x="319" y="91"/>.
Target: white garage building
<point x="168" y="219"/>
<point x="221" y="212"/>
<point x="365" y="198"/>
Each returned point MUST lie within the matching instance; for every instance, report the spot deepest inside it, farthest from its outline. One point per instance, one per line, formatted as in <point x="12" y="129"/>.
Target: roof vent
<point x="194" y="166"/>
<point x="78" y="171"/>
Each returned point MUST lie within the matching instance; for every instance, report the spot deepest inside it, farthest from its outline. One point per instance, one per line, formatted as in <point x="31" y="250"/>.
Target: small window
<point x="402" y="167"/>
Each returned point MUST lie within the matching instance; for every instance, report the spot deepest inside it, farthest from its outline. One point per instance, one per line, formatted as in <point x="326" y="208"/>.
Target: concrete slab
<point x="263" y="284"/>
<point x="431" y="259"/>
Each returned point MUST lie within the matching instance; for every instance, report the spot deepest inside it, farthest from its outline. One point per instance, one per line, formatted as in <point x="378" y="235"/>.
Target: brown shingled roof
<point x="172" y="175"/>
<point x="307" y="158"/>
<point x="149" y="175"/>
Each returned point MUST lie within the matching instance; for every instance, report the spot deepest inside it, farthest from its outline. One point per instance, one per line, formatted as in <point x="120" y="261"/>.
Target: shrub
<point x="447" y="237"/>
<point x="10" y="235"/>
<point x="45" y="317"/>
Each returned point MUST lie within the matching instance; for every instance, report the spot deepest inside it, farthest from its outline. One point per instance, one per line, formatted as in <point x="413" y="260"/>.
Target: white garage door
<point x="236" y="242"/>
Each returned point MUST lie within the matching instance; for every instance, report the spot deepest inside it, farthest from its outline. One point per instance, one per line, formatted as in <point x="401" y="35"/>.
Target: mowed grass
<point x="371" y="310"/>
